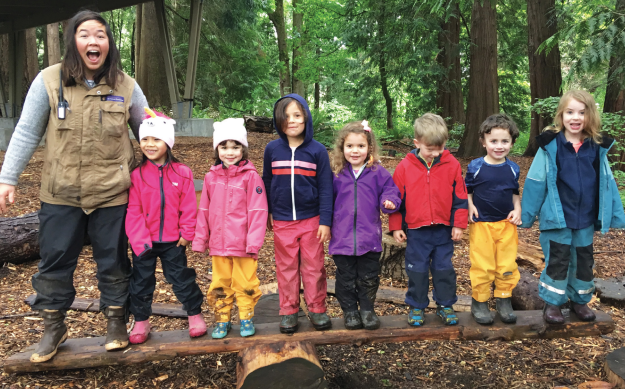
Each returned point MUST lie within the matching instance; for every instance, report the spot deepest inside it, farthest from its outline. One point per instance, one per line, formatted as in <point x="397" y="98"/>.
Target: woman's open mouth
<point x="93" y="55"/>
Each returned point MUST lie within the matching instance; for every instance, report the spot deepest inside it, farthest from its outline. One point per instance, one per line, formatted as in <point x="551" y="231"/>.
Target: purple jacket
<point x="356" y="224"/>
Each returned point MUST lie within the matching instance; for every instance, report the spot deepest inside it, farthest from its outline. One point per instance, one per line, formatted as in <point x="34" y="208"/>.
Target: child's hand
<point x="388" y="204"/>
<point x="472" y="213"/>
<point x="270" y="222"/>
<point x="514" y="217"/>
<point x="323" y="233"/>
<point x="399" y="236"/>
<point x="182" y="242"/>
<point x="456" y="234"/>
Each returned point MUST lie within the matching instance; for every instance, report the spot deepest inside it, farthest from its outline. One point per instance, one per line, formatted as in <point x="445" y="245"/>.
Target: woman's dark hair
<point x="280" y="112"/>
<point x="245" y="152"/>
<point x="73" y="66"/>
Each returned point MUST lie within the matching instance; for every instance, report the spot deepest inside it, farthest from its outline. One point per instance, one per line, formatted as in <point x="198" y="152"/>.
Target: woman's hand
<point x="6" y="190"/>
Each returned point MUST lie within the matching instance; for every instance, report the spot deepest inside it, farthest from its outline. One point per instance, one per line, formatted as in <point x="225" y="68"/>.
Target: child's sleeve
<point x="325" y="189"/>
<point x="202" y="228"/>
<point x="517" y="173"/>
<point x="256" y="214"/>
<point x="395" y="220"/>
<point x="267" y="175"/>
<point x="188" y="209"/>
<point x="460" y="203"/>
<point x="534" y="190"/>
<point x="470" y="177"/>
<point x="136" y="227"/>
<point x="389" y="191"/>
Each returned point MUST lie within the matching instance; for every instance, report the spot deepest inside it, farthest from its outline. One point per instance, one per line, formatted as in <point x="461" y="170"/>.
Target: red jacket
<point x="149" y="218"/>
<point x="437" y="196"/>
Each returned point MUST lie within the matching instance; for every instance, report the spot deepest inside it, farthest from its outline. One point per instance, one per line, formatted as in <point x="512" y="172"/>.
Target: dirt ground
<point x="427" y="364"/>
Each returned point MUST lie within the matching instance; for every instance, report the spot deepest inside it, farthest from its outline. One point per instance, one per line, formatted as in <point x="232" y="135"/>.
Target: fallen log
<point x="90" y="352"/>
<point x="258" y="124"/>
<point x="277" y="365"/>
<point x="615" y="367"/>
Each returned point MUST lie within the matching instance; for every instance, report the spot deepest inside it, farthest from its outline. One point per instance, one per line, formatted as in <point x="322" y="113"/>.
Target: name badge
<point x="119" y="99"/>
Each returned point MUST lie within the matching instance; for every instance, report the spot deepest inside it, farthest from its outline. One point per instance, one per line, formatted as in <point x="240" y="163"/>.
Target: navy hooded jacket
<point x="299" y="182"/>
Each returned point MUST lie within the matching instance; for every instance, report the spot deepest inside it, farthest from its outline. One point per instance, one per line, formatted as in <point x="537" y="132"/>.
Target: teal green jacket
<point x="540" y="193"/>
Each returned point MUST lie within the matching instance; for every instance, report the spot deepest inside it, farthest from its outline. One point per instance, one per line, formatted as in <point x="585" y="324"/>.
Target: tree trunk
<point x="276" y="365"/>
<point x="483" y="99"/>
<point x="277" y="18"/>
<point x="382" y="65"/>
<point x="31" y="67"/>
<point x="4" y="66"/>
<point x="151" y="71"/>
<point x="317" y="95"/>
<point x="545" y="73"/>
<point x="449" y="93"/>
<point x="45" y="48"/>
<point x="54" y="44"/>
<point x="64" y="24"/>
<point x="298" y="42"/>
<point x="137" y="40"/>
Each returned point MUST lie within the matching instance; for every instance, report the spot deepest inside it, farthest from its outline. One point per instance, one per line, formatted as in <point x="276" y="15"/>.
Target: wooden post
<point x="194" y="47"/>
<point x="17" y="47"/>
<point x="277" y="365"/>
<point x="170" y="68"/>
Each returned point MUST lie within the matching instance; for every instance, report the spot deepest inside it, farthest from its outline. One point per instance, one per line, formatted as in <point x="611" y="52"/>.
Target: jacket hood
<point x="242" y="167"/>
<point x="413" y="156"/>
<point x="308" y="130"/>
<point x="548" y="136"/>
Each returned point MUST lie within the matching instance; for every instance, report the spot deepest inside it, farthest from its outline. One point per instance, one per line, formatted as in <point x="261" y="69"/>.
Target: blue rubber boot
<point x="447" y="314"/>
<point x="247" y="328"/>
<point x="221" y="330"/>
<point x="416" y="317"/>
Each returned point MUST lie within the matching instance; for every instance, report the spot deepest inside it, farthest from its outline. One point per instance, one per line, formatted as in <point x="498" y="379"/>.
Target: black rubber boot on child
<point x="289" y="324"/>
<point x="54" y="333"/>
<point x="552" y="314"/>
<point x="370" y="320"/>
<point x="505" y="311"/>
<point x="116" y="333"/>
<point x="320" y="321"/>
<point x="480" y="312"/>
<point x="352" y="320"/>
<point x="583" y="312"/>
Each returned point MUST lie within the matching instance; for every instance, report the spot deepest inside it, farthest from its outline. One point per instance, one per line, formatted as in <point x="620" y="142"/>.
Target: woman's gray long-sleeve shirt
<point x="33" y="122"/>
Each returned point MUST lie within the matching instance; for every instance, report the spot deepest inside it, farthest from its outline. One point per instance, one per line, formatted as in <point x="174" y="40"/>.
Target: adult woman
<point x="85" y="103"/>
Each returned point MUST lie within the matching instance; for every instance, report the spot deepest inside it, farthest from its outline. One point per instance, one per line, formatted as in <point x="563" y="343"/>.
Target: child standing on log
<point x="298" y="178"/>
<point x="231" y="223"/>
<point x="494" y="212"/>
<point x="432" y="215"/>
<point x="361" y="188"/>
<point x="571" y="189"/>
<point x="160" y="223"/>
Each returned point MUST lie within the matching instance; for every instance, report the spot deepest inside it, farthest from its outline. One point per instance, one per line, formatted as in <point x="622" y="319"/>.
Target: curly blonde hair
<point x="338" y="155"/>
<point x="592" y="119"/>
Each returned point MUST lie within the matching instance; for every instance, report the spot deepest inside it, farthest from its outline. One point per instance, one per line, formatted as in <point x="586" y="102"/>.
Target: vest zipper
<point x="160" y="178"/>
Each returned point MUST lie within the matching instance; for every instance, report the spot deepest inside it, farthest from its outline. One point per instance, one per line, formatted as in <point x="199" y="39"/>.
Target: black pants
<point x="182" y="278"/>
<point x="357" y="280"/>
<point x="62" y="231"/>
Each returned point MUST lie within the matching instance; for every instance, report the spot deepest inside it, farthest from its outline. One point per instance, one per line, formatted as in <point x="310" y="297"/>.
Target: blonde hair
<point x="338" y="155"/>
<point x="592" y="119"/>
<point x="431" y="130"/>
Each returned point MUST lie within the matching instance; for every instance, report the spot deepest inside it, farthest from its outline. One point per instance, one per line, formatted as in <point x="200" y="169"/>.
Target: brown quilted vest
<point x="87" y="155"/>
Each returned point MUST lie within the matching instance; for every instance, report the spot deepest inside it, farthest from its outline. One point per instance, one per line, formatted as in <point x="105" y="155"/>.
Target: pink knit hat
<point x="229" y="129"/>
<point x="159" y="126"/>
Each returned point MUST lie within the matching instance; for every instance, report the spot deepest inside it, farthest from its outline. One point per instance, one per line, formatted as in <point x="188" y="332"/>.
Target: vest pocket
<point x="112" y="120"/>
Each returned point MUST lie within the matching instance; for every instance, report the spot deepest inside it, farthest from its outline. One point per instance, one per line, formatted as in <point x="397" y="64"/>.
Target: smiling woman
<point x="84" y="106"/>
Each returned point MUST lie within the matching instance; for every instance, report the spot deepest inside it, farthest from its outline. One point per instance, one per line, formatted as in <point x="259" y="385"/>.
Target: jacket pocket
<point x="112" y="120"/>
<point x="112" y="178"/>
<point x="52" y="177"/>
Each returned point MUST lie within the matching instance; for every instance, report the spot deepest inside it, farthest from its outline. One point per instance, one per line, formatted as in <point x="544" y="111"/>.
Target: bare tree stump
<point x="258" y="124"/>
<point x="280" y="365"/>
<point x="392" y="260"/>
<point x="525" y="294"/>
<point x="615" y="367"/>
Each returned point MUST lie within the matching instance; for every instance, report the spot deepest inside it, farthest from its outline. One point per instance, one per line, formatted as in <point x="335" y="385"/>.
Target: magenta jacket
<point x="161" y="205"/>
<point x="232" y="219"/>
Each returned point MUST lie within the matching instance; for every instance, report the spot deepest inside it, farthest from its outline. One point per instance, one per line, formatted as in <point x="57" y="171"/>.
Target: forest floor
<point x="425" y="364"/>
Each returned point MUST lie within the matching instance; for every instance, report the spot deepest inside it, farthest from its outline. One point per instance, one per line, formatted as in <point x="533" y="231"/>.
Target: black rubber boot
<point x="54" y="333"/>
<point x="480" y="312"/>
<point x="116" y="333"/>
<point x="289" y="324"/>
<point x="320" y="321"/>
<point x="352" y="320"/>
<point x="369" y="320"/>
<point x="504" y="309"/>
<point x="583" y="312"/>
<point x="552" y="314"/>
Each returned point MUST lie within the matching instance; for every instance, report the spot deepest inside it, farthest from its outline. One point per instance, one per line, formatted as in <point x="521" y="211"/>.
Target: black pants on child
<point x="182" y="278"/>
<point x="357" y="280"/>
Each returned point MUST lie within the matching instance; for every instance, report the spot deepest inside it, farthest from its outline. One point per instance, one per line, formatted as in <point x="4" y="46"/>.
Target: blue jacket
<point x="540" y="192"/>
<point x="357" y="228"/>
<point x="298" y="183"/>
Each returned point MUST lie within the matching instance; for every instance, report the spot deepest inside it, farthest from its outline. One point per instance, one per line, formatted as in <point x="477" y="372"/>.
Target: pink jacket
<point x="232" y="219"/>
<point x="161" y="206"/>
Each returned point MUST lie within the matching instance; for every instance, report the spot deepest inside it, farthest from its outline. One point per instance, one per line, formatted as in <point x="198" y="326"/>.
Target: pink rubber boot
<point x="140" y="332"/>
<point x="197" y="326"/>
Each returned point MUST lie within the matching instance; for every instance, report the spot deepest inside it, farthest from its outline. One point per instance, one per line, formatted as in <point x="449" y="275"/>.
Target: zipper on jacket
<point x="355" y="206"/>
<point x="160" y="178"/>
<point x="430" y="196"/>
<point x="225" y="209"/>
<point x="293" y="182"/>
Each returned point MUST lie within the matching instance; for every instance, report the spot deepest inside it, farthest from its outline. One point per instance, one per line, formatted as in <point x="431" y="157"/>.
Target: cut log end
<point x="615" y="367"/>
<point x="276" y="365"/>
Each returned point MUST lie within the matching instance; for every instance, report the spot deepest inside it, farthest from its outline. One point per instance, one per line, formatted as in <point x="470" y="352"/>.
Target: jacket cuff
<point x="252" y="250"/>
<point x="198" y="246"/>
<point x="146" y="250"/>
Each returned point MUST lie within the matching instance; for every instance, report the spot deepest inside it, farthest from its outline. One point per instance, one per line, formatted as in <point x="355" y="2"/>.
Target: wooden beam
<point x="194" y="47"/>
<point x="90" y="352"/>
<point x="17" y="51"/>
<point x="170" y="68"/>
